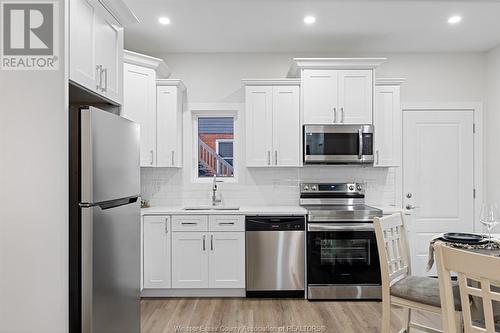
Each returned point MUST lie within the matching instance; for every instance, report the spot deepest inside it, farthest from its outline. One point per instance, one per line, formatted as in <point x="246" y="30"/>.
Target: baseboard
<point x="193" y="293"/>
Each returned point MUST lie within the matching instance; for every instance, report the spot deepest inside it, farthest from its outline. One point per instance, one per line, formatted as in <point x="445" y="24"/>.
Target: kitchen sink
<point x="211" y="208"/>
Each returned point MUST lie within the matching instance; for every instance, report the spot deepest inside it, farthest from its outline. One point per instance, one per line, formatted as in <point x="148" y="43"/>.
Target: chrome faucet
<point x="215" y="201"/>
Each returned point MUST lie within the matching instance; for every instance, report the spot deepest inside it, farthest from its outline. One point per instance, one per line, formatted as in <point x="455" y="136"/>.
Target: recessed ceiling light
<point x="309" y="19"/>
<point x="455" y="19"/>
<point x="164" y="20"/>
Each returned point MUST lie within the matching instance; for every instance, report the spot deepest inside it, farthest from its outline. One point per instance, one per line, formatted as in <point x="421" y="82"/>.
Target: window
<point x="215" y="146"/>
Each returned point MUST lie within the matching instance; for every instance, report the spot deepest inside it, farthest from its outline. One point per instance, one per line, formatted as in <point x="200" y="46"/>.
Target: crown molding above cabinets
<point x="120" y="11"/>
<point x="270" y="82"/>
<point x="171" y="82"/>
<point x="138" y="59"/>
<point x="389" y="81"/>
<point x="332" y="63"/>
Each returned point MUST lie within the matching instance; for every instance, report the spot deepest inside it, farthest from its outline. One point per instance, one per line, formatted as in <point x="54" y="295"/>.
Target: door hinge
<point x="474" y="193"/>
<point x="474" y="128"/>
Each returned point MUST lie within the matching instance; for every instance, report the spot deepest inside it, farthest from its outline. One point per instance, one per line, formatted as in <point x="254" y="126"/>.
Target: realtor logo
<point x="29" y="39"/>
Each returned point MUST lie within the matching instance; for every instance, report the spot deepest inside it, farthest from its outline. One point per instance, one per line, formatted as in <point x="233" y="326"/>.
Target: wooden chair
<point x="475" y="272"/>
<point x="399" y="288"/>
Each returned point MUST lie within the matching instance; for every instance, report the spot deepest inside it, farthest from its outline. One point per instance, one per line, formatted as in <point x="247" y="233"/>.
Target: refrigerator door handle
<point x="87" y="269"/>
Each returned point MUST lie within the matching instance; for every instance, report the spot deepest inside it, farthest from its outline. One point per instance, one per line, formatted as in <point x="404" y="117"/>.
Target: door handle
<point x="152" y="158"/>
<point x="173" y="158"/>
<point x="334" y="115"/>
<point x="342" y="115"/>
<point x="268" y="157"/>
<point x="275" y="157"/>
<point x="410" y="207"/>
<point x="360" y="148"/>
<point x="105" y="88"/>
<point x="204" y="242"/>
<point x="98" y="70"/>
<point x="211" y="242"/>
<point x="166" y="226"/>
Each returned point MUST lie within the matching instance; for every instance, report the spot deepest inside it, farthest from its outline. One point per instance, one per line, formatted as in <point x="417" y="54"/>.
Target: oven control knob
<point x="306" y="188"/>
<point x="314" y="188"/>
<point x="351" y="187"/>
<point x="358" y="187"/>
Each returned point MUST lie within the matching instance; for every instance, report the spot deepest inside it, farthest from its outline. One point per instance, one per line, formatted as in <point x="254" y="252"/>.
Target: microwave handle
<point x="360" y="148"/>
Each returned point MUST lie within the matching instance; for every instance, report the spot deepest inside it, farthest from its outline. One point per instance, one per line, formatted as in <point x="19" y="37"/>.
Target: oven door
<point x="342" y="253"/>
<point x="341" y="144"/>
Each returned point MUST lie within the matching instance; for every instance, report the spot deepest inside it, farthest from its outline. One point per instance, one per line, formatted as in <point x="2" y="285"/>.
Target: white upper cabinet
<point x="355" y="96"/>
<point x="156" y="252"/>
<point x="272" y="116"/>
<point x="320" y="96"/>
<point x="336" y="90"/>
<point x="387" y="123"/>
<point x="96" y="49"/>
<point x="169" y="102"/>
<point x="139" y="105"/>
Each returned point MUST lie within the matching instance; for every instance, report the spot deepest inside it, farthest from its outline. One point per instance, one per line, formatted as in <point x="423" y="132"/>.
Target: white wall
<point x="34" y="200"/>
<point x="214" y="77"/>
<point x="492" y="115"/>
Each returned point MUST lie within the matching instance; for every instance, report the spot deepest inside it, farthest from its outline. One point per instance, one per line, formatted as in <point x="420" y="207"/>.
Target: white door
<point x="438" y="176"/>
<point x="156" y="255"/>
<point x="259" y="125"/>
<point x="355" y="96"/>
<point x="82" y="44"/>
<point x="227" y="260"/>
<point x="168" y="154"/>
<point x="320" y="96"/>
<point x="286" y="126"/>
<point x="387" y="123"/>
<point x="109" y="54"/>
<point x="139" y="105"/>
<point x="189" y="260"/>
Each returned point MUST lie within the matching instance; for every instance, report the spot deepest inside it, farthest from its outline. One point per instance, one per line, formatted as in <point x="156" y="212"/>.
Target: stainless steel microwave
<point x="338" y="144"/>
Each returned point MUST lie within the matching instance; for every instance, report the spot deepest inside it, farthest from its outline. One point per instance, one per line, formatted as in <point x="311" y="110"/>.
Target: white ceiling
<point x="341" y="26"/>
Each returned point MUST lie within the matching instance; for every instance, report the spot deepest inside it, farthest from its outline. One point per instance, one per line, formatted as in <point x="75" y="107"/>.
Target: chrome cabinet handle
<point x="189" y="223"/>
<point x="173" y="158"/>
<point x="204" y="242"/>
<point x="360" y="148"/>
<point x="268" y="157"/>
<point x="152" y="158"/>
<point x="105" y="72"/>
<point x="334" y="115"/>
<point x="98" y="70"/>
<point x="378" y="159"/>
<point x="166" y="226"/>
<point x="275" y="157"/>
<point x="211" y="242"/>
<point x="226" y="223"/>
<point x="342" y="115"/>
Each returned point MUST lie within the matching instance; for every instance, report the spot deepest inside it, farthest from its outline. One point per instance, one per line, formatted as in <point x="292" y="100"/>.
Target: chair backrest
<point x="475" y="274"/>
<point x="393" y="249"/>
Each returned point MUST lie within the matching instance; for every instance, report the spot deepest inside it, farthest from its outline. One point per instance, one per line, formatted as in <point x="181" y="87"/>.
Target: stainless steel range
<point x="342" y="257"/>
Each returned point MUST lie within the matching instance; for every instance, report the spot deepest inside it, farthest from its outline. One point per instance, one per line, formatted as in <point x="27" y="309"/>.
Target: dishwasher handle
<point x="273" y="223"/>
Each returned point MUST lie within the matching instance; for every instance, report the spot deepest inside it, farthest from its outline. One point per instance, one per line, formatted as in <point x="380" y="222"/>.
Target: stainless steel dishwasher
<point x="275" y="252"/>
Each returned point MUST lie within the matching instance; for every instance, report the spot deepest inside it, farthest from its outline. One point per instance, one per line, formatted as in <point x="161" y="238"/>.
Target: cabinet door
<point x="286" y="126"/>
<point x="169" y="127"/>
<point x="109" y="55"/>
<point x="320" y="96"/>
<point x="355" y="96"/>
<point x="140" y="106"/>
<point x="227" y="260"/>
<point x="387" y="123"/>
<point x="156" y="247"/>
<point x="259" y="125"/>
<point x="189" y="260"/>
<point x="82" y="66"/>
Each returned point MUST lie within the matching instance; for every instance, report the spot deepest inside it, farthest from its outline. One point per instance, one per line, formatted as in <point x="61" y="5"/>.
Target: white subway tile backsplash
<point x="264" y="187"/>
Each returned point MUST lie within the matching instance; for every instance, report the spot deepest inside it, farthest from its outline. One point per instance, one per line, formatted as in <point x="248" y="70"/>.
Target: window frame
<point x="204" y="110"/>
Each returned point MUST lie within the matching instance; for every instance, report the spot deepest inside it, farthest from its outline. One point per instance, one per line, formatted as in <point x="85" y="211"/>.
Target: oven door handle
<point x="340" y="227"/>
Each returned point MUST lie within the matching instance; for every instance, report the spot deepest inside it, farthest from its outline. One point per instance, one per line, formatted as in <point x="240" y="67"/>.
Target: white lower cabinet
<point x="226" y="260"/>
<point x="189" y="260"/>
<point x="156" y="252"/>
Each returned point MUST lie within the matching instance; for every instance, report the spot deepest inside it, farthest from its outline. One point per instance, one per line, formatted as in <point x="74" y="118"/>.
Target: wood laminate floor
<point x="265" y="315"/>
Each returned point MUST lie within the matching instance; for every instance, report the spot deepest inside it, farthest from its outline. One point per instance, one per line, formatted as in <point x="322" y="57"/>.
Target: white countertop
<point x="244" y="210"/>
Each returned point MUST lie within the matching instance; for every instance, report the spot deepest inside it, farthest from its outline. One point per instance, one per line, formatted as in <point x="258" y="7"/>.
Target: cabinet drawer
<point x="189" y="223"/>
<point x="226" y="223"/>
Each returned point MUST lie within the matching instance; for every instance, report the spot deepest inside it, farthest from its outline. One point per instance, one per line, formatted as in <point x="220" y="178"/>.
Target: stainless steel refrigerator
<point x="105" y="283"/>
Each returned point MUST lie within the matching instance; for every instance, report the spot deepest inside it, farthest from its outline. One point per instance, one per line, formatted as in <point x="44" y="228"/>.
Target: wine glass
<point x="489" y="218"/>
